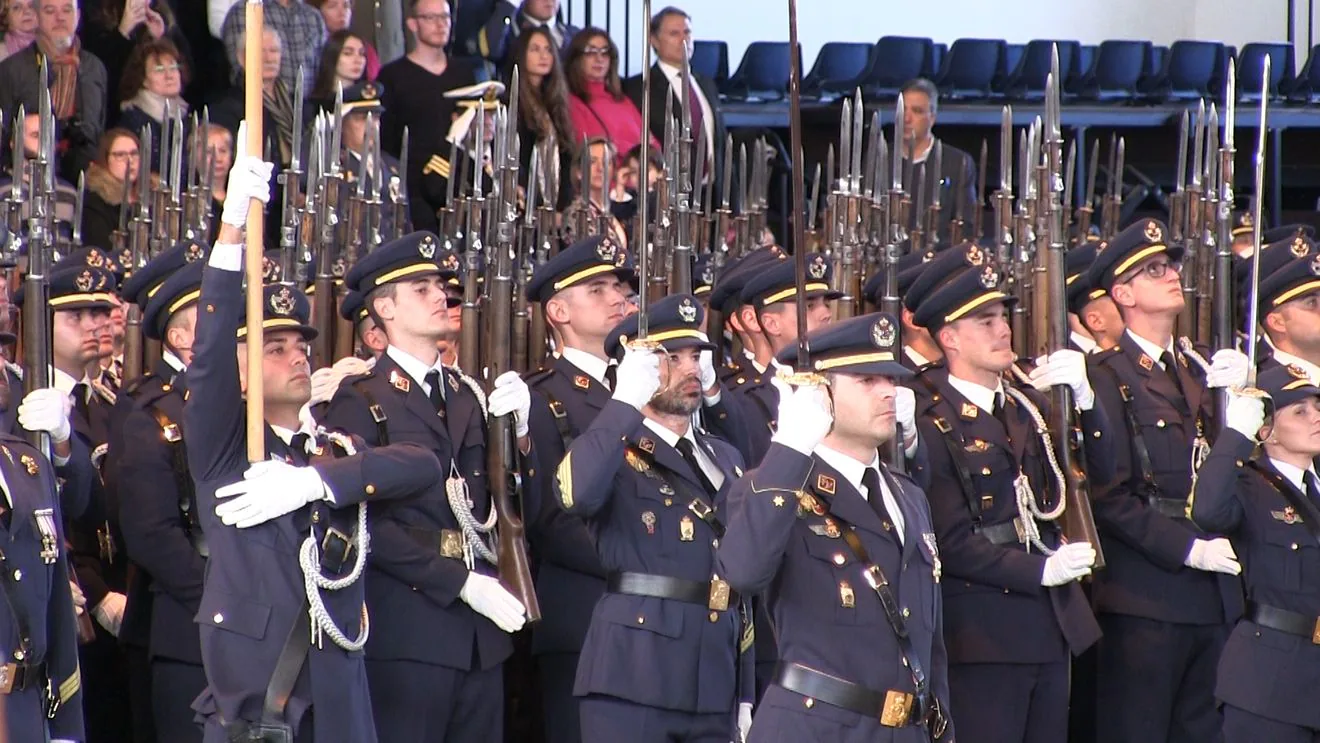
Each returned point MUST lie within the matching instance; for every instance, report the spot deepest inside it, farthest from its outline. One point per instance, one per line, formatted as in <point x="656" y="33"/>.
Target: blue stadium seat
<point x="894" y="61"/>
<point x="1012" y="57"/>
<point x="1306" y="89"/>
<point x="971" y="68"/>
<point x="1188" y="72"/>
<point x="1085" y="64"/>
<point x="763" y="72"/>
<point x="1227" y="58"/>
<point x="711" y="58"/>
<point x="1026" y="81"/>
<point x="1282" y="70"/>
<point x="937" y="54"/>
<point x="1116" y="71"/>
<point x="836" y="70"/>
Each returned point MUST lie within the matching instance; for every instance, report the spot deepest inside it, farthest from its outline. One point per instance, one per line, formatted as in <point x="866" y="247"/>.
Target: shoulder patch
<point x="538" y="377"/>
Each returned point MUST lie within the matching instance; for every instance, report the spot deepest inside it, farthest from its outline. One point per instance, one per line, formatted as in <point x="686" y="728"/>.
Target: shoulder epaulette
<point x="134" y="385"/>
<point x="539" y="376"/>
<point x="436" y="165"/>
<point x="1107" y="355"/>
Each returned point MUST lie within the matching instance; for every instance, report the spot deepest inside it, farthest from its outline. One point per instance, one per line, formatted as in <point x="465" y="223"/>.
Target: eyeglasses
<point x="124" y="155"/>
<point x="1154" y="270"/>
<point x="161" y="69"/>
<point x="433" y="17"/>
<point x="597" y="51"/>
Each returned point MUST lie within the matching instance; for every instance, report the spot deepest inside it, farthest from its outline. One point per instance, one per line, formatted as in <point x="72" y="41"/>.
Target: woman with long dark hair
<point x="338" y="16"/>
<point x="343" y="62"/>
<point x="543" y="107"/>
<point x="597" y="106"/>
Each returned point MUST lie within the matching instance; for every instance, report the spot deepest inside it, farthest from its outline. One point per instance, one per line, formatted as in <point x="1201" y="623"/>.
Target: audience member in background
<point x="65" y="193"/>
<point x="543" y="108"/>
<point x="598" y="107"/>
<point x="77" y="84"/>
<point x="338" y="16"/>
<point x="112" y="29"/>
<point x="302" y="33"/>
<point x="592" y="213"/>
<point x="277" y="128"/>
<point x="413" y="98"/>
<point x="154" y="77"/>
<point x="18" y="25"/>
<point x="671" y="36"/>
<point x="500" y="35"/>
<point x="957" y="177"/>
<point x="117" y="160"/>
<point x="220" y="148"/>
<point x="626" y="182"/>
<point x="343" y="62"/>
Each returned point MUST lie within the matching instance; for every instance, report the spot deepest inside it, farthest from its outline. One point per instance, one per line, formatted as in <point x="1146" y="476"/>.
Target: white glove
<point x="708" y="377"/>
<point x="638" y="377"/>
<point x="267" y="491"/>
<point x="744" y="721"/>
<point x="1245" y="414"/>
<point x="1065" y="367"/>
<point x="46" y="410"/>
<point x="110" y="612"/>
<point x="249" y="179"/>
<point x="905" y="409"/>
<point x="79" y="598"/>
<point x="1068" y="563"/>
<point x="511" y="396"/>
<point x="1213" y="555"/>
<point x="804" y="419"/>
<point x="1228" y="368"/>
<point x="490" y="599"/>
<point x="326" y="380"/>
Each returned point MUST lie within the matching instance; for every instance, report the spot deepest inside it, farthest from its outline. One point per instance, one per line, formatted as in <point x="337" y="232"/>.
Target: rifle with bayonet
<point x="1112" y="209"/>
<point x="174" y="203"/>
<point x="1224" y="330"/>
<point x="680" y="279"/>
<point x="1189" y="232"/>
<point x="398" y="186"/>
<point x="329" y="259"/>
<point x="158" y="198"/>
<point x="291" y="180"/>
<point x="141" y="235"/>
<point x="1086" y="210"/>
<point x="468" y="340"/>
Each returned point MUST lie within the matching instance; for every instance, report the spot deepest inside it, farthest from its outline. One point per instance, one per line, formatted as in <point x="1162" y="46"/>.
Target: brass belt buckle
<point x="700" y="509"/>
<point x="1315" y="632"/>
<point x="8" y="675"/>
<point x="336" y="547"/>
<point x="897" y="709"/>
<point x="719" y="595"/>
<point x="451" y="544"/>
<point x="106" y="542"/>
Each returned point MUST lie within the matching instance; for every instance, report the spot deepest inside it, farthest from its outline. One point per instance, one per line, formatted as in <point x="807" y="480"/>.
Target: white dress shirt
<point x="914" y="356"/>
<point x="708" y="466"/>
<point x="174" y="362"/>
<point x="1287" y="359"/>
<point x="853" y="471"/>
<point x="1086" y="343"/>
<point x="594" y="366"/>
<point x="416" y="368"/>
<point x="1150" y="349"/>
<point x="675" y="78"/>
<point x="979" y="395"/>
<point x="1293" y="473"/>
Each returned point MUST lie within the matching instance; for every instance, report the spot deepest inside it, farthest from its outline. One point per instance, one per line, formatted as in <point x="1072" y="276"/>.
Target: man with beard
<point x="845" y="661"/>
<point x="441" y="618"/>
<point x="1170" y="592"/>
<point x="667" y="655"/>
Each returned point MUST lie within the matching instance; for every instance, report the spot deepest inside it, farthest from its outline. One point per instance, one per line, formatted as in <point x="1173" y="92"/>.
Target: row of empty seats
<point x="992" y="69"/>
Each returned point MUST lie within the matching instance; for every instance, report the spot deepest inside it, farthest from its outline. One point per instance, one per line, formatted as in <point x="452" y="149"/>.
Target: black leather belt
<point x="446" y="542"/>
<point x="1174" y="508"/>
<point x="1284" y="621"/>
<point x="711" y="594"/>
<point x="22" y="676"/>
<point x="892" y="708"/>
<point x="1009" y="533"/>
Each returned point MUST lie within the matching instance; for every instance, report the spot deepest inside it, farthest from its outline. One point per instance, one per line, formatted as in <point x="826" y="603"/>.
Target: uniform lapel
<point x="1021" y="429"/>
<point x="410" y="390"/>
<point x="844" y="500"/>
<point x="15" y="472"/>
<point x="667" y="457"/>
<point x="1192" y="386"/>
<point x="459" y="407"/>
<point x="979" y="423"/>
<point x="911" y="534"/>
<point x="593" y="392"/>
<point x="1154" y="378"/>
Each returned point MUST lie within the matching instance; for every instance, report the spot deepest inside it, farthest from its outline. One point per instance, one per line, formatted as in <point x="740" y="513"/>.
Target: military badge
<point x="807" y="502"/>
<point x="282" y="301"/>
<point x="1146" y="362"/>
<point x="1182" y="359"/>
<point x="369" y="92"/>
<point x="978" y="446"/>
<point x="193" y="252"/>
<point x="989" y="277"/>
<point x="665" y="489"/>
<point x="646" y="445"/>
<point x="1299" y="248"/>
<point x="400" y="382"/>
<point x="453" y="382"/>
<point x="606" y="251"/>
<point x="1245" y="220"/>
<point x="708" y="275"/>
<point x="427" y="248"/>
<point x="928" y="539"/>
<point x="1287" y="515"/>
<point x="270" y="270"/>
<point x="338" y="268"/>
<point x="44" y="519"/>
<point x="687" y="529"/>
<point x="825" y="484"/>
<point x="84" y="282"/>
<point x="1297" y="372"/>
<point x="817" y="268"/>
<point x="778" y="500"/>
<point x="648" y="521"/>
<point x="451" y="544"/>
<point x="581" y="382"/>
<point x="30" y="464"/>
<point x="832" y="529"/>
<point x="883" y="333"/>
<point x="635" y="461"/>
<point x="687" y="312"/>
<point x="975" y="256"/>
<point x="1315" y="266"/>
<point x="1153" y="232"/>
<point x="969" y="410"/>
<point x="847" y="599"/>
<point x="450" y="262"/>
<point x="95" y="259"/>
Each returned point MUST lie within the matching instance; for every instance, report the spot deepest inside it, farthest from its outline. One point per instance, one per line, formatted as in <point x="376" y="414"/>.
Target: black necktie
<point x="1312" y="487"/>
<point x="612" y="376"/>
<point x="1171" y="369"/>
<point x="436" y="394"/>
<point x="79" y="395"/>
<point x="689" y="453"/>
<point x="874" y="496"/>
<point x="298" y="445"/>
<point x="1001" y="412"/>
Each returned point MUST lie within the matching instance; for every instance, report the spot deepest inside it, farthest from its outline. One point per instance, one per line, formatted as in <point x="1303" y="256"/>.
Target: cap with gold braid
<point x="77" y="288"/>
<point x="176" y="293"/>
<point x="1142" y="240"/>
<point x="866" y="344"/>
<point x="675" y="322"/>
<point x="409" y="257"/>
<point x="961" y="295"/>
<point x="778" y="283"/>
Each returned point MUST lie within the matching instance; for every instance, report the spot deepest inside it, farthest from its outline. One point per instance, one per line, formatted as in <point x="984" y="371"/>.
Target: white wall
<point x="740" y="22"/>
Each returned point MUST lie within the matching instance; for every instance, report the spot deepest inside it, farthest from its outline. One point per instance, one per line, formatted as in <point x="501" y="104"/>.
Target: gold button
<point x="210" y="308"/>
<point x="316" y="517"/>
<point x="888" y="526"/>
<point x="715" y="543"/>
<point x="218" y="618"/>
<point x="985" y="470"/>
<point x="18" y="575"/>
<point x="714" y="617"/>
<point x="906" y="613"/>
<point x="839" y="559"/>
<point x="1292" y="546"/>
<point x="1239" y="462"/>
<point x="1159" y="423"/>
<point x="1095" y="434"/>
<point x="165" y="388"/>
<point x="669" y="501"/>
<point x="371" y="490"/>
<point x="641" y="620"/>
<point x="809" y="702"/>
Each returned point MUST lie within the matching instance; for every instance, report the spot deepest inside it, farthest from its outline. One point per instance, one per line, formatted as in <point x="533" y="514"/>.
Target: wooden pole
<point x="253" y="113"/>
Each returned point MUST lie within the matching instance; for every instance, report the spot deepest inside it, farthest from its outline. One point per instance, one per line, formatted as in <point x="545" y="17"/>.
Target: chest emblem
<point x="1288" y="516"/>
<point x="928" y="540"/>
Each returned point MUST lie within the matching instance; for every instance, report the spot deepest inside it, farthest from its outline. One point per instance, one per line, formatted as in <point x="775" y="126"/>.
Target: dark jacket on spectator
<point x="19" y="85"/>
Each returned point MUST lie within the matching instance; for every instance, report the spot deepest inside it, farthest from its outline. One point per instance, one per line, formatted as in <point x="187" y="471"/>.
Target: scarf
<point x="64" y="65"/>
<point x="153" y="104"/>
<point x="17" y="41"/>
<point x="279" y="104"/>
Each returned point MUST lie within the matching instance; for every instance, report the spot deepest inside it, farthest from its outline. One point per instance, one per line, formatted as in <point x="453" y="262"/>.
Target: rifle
<point x="399" y="191"/>
<point x="291" y="180"/>
<point x="174" y="208"/>
<point x="1224" y="306"/>
<point x="523" y="266"/>
<point x="1209" y="216"/>
<point x="468" y="341"/>
<point x="140" y="237"/>
<point x="158" y="199"/>
<point x="1086" y="209"/>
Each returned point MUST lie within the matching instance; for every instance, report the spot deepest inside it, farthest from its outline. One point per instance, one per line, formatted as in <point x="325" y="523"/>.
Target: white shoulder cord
<point x="475" y="533"/>
<point x="1028" y="511"/>
<point x="309" y="559"/>
<point x="1200" y="447"/>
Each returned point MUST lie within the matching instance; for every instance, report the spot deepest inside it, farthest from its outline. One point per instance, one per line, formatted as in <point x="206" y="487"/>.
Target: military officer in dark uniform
<point x="1289" y="301"/>
<point x="1169" y="591"/>
<point x="479" y="100"/>
<point x="442" y="619"/>
<point x="499" y="35"/>
<point x="1092" y="315"/>
<point x="850" y="671"/>
<point x="1269" y="506"/>
<point x="652" y="491"/>
<point x="918" y="348"/>
<point x="359" y="100"/>
<point x="282" y="614"/>
<point x="1014" y="611"/>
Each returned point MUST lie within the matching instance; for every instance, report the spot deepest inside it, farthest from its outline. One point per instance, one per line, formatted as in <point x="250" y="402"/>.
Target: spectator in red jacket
<point x="597" y="106"/>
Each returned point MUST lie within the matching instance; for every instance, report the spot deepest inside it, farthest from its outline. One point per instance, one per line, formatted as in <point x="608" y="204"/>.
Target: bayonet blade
<point x="1180" y="183"/>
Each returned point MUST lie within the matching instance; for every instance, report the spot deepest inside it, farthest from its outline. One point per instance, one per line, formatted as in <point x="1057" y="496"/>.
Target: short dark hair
<point x="659" y="18"/>
<point x="389" y="291"/>
<point x="922" y="85"/>
<point x="652" y="155"/>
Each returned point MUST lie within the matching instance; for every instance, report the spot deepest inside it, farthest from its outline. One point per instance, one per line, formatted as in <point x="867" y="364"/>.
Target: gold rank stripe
<point x="986" y="298"/>
<point x="399" y="273"/>
<point x="748" y="638"/>
<point x="154" y="288"/>
<point x="437" y="165"/>
<point x="85" y="297"/>
<point x="1297" y="383"/>
<point x="1297" y="291"/>
<point x="564" y="474"/>
<point x="858" y="358"/>
<point x="818" y="286"/>
<point x="71" y="685"/>
<point x="287" y="322"/>
<point x="669" y="335"/>
<point x="1138" y="256"/>
<point x="585" y="273"/>
<point x="191" y="296"/>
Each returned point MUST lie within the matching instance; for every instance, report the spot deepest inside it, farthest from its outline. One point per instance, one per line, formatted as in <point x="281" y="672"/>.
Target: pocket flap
<point x="234" y="613"/>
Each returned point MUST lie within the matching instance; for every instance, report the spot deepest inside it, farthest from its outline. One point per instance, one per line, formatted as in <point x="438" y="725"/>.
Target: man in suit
<point x="671" y="36"/>
<point x="956" y="180"/>
<point x="847" y="664"/>
<point x="1169" y="592"/>
<point x="499" y="36"/>
<point x="442" y="619"/>
<point x="1014" y="610"/>
<point x="282" y="613"/>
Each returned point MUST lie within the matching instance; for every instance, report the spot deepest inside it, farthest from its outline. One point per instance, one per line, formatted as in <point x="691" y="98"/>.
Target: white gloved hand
<point x="110" y="612"/>
<point x="1245" y="414"/>
<point x="1068" y="563"/>
<point x="638" y="378"/>
<point x="79" y="598"/>
<point x="1065" y="367"/>
<point x="744" y="721"/>
<point x="804" y="418"/>
<point x="1213" y="555"/>
<point x="491" y="600"/>
<point x="1228" y="368"/>
<point x="268" y="490"/>
<point x="326" y="380"/>
<point x="905" y="409"/>
<point x="46" y="410"/>
<point x="512" y="396"/>
<point x="249" y="178"/>
<point x="708" y="377"/>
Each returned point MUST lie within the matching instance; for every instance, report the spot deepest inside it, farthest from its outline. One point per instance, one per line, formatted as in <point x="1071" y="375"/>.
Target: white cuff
<point x="226" y="257"/>
<point x="714" y="399"/>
